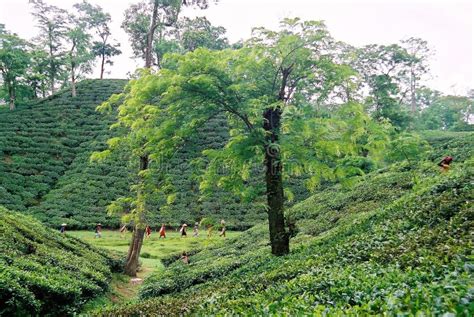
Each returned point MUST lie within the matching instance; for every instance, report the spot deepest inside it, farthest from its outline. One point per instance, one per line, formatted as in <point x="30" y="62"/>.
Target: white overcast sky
<point x="447" y="25"/>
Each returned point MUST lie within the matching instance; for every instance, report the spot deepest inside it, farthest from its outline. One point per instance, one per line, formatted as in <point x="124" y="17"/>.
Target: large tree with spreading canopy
<point x="267" y="91"/>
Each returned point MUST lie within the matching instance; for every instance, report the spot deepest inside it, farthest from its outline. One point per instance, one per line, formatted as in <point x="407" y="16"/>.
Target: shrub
<point x="43" y="272"/>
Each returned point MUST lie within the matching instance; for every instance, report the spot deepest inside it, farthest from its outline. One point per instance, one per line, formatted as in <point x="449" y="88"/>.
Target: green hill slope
<point x="81" y="195"/>
<point x="40" y="142"/>
<point x="43" y="272"/>
<point x="385" y="246"/>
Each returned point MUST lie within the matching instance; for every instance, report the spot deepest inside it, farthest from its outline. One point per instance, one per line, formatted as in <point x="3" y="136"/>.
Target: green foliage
<point x="44" y="272"/>
<point x="138" y="19"/>
<point x="386" y="70"/>
<point x="406" y="146"/>
<point x="14" y="61"/>
<point x="382" y="247"/>
<point x="199" y="32"/>
<point x="448" y="113"/>
<point x="52" y="24"/>
<point x="208" y="222"/>
<point x="47" y="145"/>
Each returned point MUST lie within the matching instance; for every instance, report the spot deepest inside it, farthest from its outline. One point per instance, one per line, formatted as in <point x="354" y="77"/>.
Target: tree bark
<point x="73" y="82"/>
<point x="413" y="93"/>
<point x="102" y="67"/>
<point x="11" y="93"/>
<point x="149" y="36"/>
<point x="52" y="64"/>
<point x="279" y="238"/>
<point x="131" y="264"/>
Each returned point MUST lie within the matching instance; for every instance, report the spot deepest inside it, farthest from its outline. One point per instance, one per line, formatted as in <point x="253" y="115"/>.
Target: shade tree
<point x="79" y="57"/>
<point x="448" y="113"/>
<point x="52" y="24"/>
<point x="267" y="91"/>
<point x="147" y="21"/>
<point x="199" y="32"/>
<point x="419" y="53"/>
<point x="384" y="69"/>
<point x="14" y="62"/>
<point x="99" y="22"/>
<point x="37" y="74"/>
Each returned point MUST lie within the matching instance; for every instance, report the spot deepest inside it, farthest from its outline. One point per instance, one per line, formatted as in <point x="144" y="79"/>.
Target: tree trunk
<point x="73" y="68"/>
<point x="279" y="238"/>
<point x="149" y="36"/>
<point x="12" y="103"/>
<point x="52" y="64"/>
<point x="52" y="81"/>
<point x="73" y="83"/>
<point x="413" y="93"/>
<point x="102" y="67"/>
<point x="11" y="94"/>
<point x="133" y="256"/>
<point x="131" y="265"/>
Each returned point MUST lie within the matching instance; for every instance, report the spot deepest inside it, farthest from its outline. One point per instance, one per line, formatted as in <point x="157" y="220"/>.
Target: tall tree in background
<point x="79" y="37"/>
<point x="79" y="57"/>
<point x="105" y="52"/>
<point x="419" y="55"/>
<point x="146" y="21"/>
<point x="37" y="77"/>
<point x="99" y="21"/>
<point x="199" y="32"/>
<point x="141" y="22"/>
<point x="448" y="113"/>
<point x="52" y="23"/>
<point x="188" y="35"/>
<point x="384" y="69"/>
<point x="14" y="61"/>
<point x="136" y="22"/>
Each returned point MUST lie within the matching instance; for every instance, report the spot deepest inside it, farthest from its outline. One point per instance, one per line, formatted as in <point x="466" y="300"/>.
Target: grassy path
<point x="153" y="250"/>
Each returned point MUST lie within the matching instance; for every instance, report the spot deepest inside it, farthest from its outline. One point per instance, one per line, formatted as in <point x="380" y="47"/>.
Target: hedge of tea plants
<point x="44" y="272"/>
<point x="44" y="156"/>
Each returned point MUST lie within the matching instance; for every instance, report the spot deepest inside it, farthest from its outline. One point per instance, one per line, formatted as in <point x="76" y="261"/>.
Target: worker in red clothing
<point x="445" y="162"/>
<point x="162" y="231"/>
<point x="148" y="231"/>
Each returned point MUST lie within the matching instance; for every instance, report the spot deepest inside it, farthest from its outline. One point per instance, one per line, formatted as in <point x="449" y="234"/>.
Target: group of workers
<point x="162" y="231"/>
<point x="97" y="230"/>
<point x="182" y="230"/>
<point x="444" y="165"/>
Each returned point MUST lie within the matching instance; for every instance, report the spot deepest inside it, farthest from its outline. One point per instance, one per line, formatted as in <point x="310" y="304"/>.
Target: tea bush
<point x="44" y="272"/>
<point x="44" y="157"/>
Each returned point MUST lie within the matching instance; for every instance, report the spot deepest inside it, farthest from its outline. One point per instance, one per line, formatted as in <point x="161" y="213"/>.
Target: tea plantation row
<point x="44" y="145"/>
<point x="43" y="272"/>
